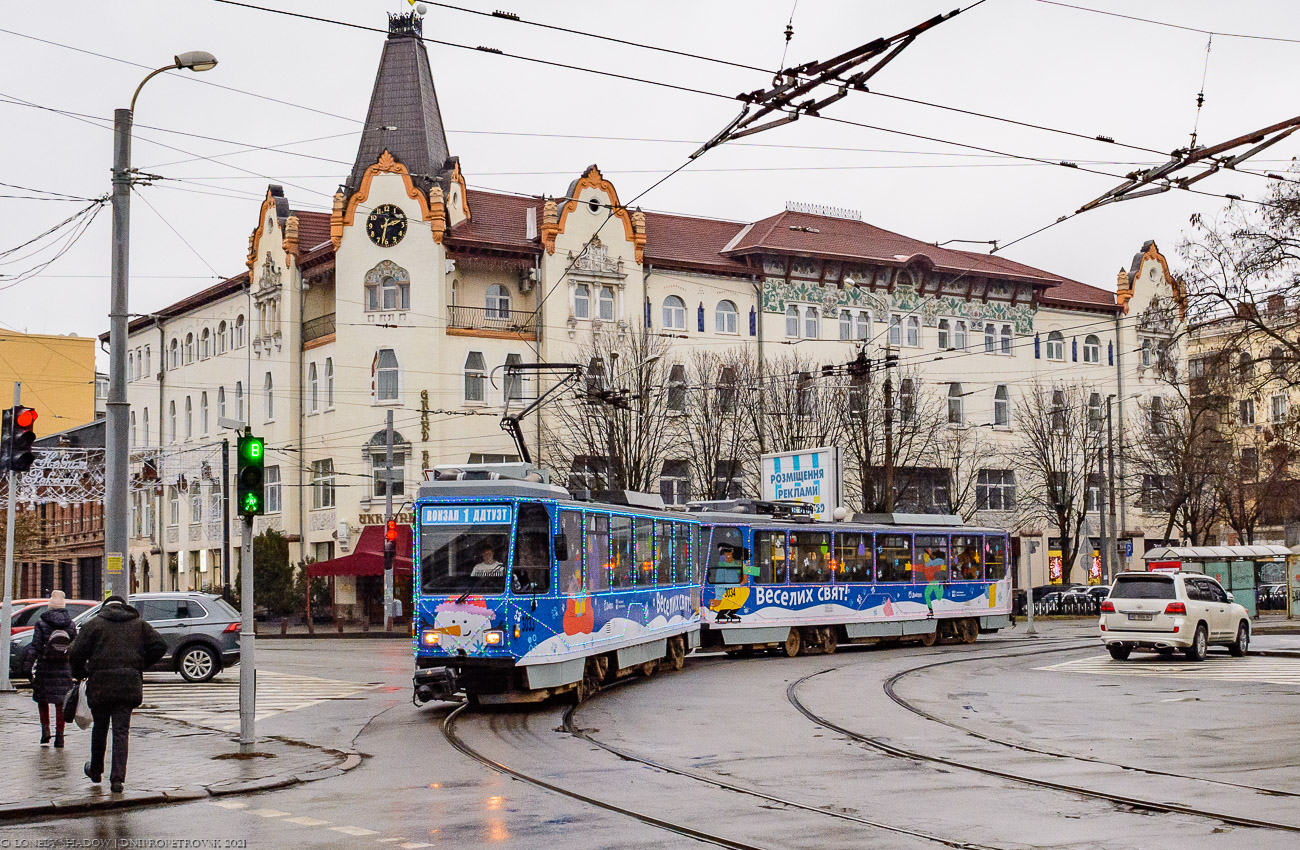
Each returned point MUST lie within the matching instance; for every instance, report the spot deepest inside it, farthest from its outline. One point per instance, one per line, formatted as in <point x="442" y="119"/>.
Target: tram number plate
<point x="1140" y="616"/>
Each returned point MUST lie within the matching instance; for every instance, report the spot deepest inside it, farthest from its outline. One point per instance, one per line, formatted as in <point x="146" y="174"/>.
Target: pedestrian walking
<point x="111" y="652"/>
<point x="52" y="672"/>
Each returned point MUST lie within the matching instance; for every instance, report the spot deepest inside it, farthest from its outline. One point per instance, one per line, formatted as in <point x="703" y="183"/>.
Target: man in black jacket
<point x="112" y="650"/>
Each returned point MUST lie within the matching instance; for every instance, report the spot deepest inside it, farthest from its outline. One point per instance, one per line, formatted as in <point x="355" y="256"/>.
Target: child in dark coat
<point x="52" y="674"/>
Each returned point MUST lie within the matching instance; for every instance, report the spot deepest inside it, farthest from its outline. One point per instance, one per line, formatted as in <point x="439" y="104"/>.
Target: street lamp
<point x="117" y="448"/>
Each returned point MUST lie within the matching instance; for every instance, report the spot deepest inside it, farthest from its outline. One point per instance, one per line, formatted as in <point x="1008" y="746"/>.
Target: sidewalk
<point x="170" y="762"/>
<point x="270" y="628"/>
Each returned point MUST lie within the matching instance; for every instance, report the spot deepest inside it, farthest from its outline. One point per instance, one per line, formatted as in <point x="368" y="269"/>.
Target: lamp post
<point x="117" y="454"/>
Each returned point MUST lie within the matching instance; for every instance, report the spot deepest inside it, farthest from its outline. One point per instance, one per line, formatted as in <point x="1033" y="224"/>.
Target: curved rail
<point x="1119" y="799"/>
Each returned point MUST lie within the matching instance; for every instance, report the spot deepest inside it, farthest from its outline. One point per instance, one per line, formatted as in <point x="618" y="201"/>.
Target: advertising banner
<point x="813" y="477"/>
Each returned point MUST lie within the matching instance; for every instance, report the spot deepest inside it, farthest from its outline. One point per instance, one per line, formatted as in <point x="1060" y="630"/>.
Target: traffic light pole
<point x="247" y="639"/>
<point x="117" y="454"/>
<point x="6" y="611"/>
<point x="389" y="550"/>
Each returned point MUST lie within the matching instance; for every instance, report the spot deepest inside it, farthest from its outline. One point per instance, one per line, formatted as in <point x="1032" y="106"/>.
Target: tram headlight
<point x="494" y="638"/>
<point x="429" y="638"/>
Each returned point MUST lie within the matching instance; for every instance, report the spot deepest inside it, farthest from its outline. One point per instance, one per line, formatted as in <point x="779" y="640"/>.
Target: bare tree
<point x="964" y="452"/>
<point x="712" y="393"/>
<point x="798" y="407"/>
<point x="1057" y="451"/>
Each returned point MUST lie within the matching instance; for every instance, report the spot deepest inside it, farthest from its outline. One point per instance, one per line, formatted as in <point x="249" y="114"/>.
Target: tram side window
<point x="644" y="574"/>
<point x="532" y="564"/>
<point x="810" y="557"/>
<point x="995" y="557"/>
<point x="682" y="553"/>
<point x="726" y="555"/>
<point x="663" y="553"/>
<point x="966" y="552"/>
<point x="769" y="557"/>
<point x="931" y="558"/>
<point x="597" y="552"/>
<point x="893" y="557"/>
<point x="624" y="552"/>
<point x="852" y="557"/>
<point x="571" y="568"/>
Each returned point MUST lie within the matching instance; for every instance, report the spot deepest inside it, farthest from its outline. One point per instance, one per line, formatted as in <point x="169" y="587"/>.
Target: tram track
<point x="1130" y="801"/>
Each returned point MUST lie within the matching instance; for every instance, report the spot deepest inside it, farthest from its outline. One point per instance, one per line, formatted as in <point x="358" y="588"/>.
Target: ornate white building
<point x="415" y="289"/>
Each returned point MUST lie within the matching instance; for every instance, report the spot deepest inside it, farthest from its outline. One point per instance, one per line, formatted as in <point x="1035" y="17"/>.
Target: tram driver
<point x="487" y="565"/>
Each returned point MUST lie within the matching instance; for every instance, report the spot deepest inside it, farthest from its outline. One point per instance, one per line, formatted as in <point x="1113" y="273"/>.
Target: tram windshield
<point x="728" y="555"/>
<point x="463" y="548"/>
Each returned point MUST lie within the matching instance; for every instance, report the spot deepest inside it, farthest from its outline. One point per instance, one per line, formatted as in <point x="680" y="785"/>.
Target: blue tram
<point x="521" y="592"/>
<point x="776" y="578"/>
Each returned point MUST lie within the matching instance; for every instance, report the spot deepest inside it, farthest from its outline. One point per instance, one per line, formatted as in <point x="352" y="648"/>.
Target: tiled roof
<point x="313" y="228"/>
<point x="497" y="221"/>
<point x="198" y="299"/>
<point x="1061" y="290"/>
<point x="678" y="240"/>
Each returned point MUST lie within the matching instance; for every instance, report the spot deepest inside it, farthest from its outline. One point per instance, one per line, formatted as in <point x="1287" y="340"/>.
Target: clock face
<point x="386" y="225"/>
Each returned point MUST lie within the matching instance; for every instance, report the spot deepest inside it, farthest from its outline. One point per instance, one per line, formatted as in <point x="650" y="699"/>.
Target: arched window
<point x="792" y="321"/>
<point x="148" y="372"/>
<point x="846" y="325"/>
<point x="144" y="425"/>
<point x="203" y="413"/>
<point x="582" y="301"/>
<point x="895" y="329"/>
<point x="222" y="341"/>
<point x="906" y="400"/>
<point x="386" y="375"/>
<point x="863" y="323"/>
<point x="134" y="436"/>
<point x="239" y="332"/>
<point x="1001" y="406"/>
<point x="1055" y="346"/>
<point x="959" y="335"/>
<point x="956" y="413"/>
<point x="1058" y="411"/>
<point x="726" y="320"/>
<point x="171" y="420"/>
<point x="513" y="381"/>
<point x="1091" y="349"/>
<point x="498" y="302"/>
<point x="239" y="402"/>
<point x="677" y="388"/>
<point x="189" y="349"/>
<point x="1006" y="339"/>
<point x="1094" y="413"/>
<point x="475" y="370"/>
<point x="313" y="389"/>
<point x="914" y="331"/>
<point x="268" y="387"/>
<point x="221" y="404"/>
<point x="990" y="338"/>
<point x="329" y="383"/>
<point x="606" y="304"/>
<point x="1245" y="365"/>
<point x="205" y="344"/>
<point x="945" y="335"/>
<point x="189" y="418"/>
<point x="130" y="365"/>
<point x="812" y="323"/>
<point x="674" y="314"/>
<point x="175" y="350"/>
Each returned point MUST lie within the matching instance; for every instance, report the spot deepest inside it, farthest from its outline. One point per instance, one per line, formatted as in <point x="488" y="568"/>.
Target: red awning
<point x="367" y="558"/>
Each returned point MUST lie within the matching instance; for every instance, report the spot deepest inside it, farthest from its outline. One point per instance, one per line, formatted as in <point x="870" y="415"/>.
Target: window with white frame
<point x="196" y="502"/>
<point x="1006" y="339"/>
<point x="497" y="302"/>
<point x="268" y="391"/>
<point x="792" y="321"/>
<point x="389" y="293"/>
<point x="1091" y="349"/>
<point x="173" y="506"/>
<point x="846" y="325"/>
<point x="329" y="383"/>
<point x="513" y="379"/>
<point x="189" y="349"/>
<point x="205" y="344"/>
<point x="726" y="318"/>
<point x="1148" y="351"/>
<point x="144" y="424"/>
<point x="675" y="482"/>
<point x="134" y="434"/>
<point x="812" y="323"/>
<point x="148" y="371"/>
<point x="130" y="366"/>
<point x="222" y="340"/>
<point x="913" y="326"/>
<point x="677" y="388"/>
<point x="1002" y="406"/>
<point x="1058" y="412"/>
<point x="990" y="338"/>
<point x="379" y="470"/>
<point x="239" y="401"/>
<point x="956" y="404"/>
<point x="606" y="304"/>
<point x="1095" y="413"/>
<point x="1279" y="407"/>
<point x="995" y="490"/>
<point x="906" y="400"/>
<point x="945" y="335"/>
<point x="1055" y="346"/>
<point x="214" y="501"/>
<point x="175" y="359"/>
<point x="1246" y="411"/>
<point x="271" y="485"/>
<point x="862" y="323"/>
<point x="322" y="483"/>
<point x="386" y="375"/>
<point x="582" y="301"/>
<point x="238" y="332"/>
<point x="959" y="335"/>
<point x="171" y="419"/>
<point x="189" y="418"/>
<point x="674" y="314"/>
<point x="313" y="389"/>
<point x="203" y="413"/>
<point x="221" y="403"/>
<point x="475" y="374"/>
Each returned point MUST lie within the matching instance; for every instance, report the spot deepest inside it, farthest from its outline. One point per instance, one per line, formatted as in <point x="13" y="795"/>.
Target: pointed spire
<point x="403" y="117"/>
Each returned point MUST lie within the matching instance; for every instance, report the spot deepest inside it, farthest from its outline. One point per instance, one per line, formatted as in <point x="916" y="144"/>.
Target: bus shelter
<point x="1240" y="569"/>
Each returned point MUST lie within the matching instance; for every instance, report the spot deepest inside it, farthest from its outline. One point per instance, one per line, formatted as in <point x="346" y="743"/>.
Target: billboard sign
<point x="813" y="477"/>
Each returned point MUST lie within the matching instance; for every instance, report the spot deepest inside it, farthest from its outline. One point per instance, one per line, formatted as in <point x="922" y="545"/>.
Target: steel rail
<point x="1118" y="799"/>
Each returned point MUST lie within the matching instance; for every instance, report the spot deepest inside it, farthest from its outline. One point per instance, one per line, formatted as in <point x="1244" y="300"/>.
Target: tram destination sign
<point x="813" y="477"/>
<point x="464" y="514"/>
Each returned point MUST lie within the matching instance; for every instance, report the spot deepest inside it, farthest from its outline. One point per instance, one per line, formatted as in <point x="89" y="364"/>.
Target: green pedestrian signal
<point x="250" y="477"/>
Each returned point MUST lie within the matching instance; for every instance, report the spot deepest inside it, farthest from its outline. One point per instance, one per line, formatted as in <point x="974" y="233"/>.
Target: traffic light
<point x="16" y="444"/>
<point x="390" y="539"/>
<point x="251" y="477"/>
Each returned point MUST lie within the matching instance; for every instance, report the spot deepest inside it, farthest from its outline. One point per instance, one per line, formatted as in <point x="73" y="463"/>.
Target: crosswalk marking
<point x="215" y="704"/>
<point x="1216" y="667"/>
<point x="306" y="821"/>
<point x="354" y="830"/>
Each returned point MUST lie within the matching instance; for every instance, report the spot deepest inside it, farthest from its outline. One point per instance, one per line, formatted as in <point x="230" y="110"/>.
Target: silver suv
<point x="201" y="631"/>
<point x="1170" y="611"/>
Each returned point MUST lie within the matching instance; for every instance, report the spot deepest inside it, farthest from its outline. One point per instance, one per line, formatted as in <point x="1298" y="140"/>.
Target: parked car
<point x="28" y="611"/>
<point x="1169" y="611"/>
<point x="201" y="631"/>
<point x="1270" y="597"/>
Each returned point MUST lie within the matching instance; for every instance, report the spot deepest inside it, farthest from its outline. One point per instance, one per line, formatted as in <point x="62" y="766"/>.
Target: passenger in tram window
<point x="968" y="563"/>
<point x="487" y="565"/>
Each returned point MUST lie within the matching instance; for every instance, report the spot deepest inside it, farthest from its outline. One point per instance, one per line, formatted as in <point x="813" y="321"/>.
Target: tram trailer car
<point x="783" y="581"/>
<point x="522" y="593"/>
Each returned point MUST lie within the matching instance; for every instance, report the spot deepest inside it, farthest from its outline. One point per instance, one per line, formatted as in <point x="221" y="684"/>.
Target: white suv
<point x="1168" y="611"/>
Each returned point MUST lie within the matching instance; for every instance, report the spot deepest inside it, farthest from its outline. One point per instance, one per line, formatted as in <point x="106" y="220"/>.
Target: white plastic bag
<point x="82" y="716"/>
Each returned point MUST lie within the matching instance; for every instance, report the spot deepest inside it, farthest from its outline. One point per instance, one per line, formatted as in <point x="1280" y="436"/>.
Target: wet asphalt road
<point x="732" y="720"/>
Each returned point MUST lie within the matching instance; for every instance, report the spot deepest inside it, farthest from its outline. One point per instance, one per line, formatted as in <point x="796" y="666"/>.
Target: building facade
<point x="57" y="374"/>
<point x="415" y="291"/>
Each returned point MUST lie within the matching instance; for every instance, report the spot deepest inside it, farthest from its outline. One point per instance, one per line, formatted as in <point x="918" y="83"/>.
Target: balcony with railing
<point x="491" y="322"/>
<point x="320" y="328"/>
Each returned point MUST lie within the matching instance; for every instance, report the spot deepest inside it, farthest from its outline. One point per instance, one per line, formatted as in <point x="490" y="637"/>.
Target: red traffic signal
<point x="26" y="417"/>
<point x="390" y="532"/>
<point x="16" y="452"/>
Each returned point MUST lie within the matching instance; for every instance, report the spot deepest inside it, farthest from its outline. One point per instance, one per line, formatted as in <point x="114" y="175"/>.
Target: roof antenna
<point x="1200" y="96"/>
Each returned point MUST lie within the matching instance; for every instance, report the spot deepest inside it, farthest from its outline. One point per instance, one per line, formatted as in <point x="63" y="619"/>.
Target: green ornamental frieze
<point x="777" y="292"/>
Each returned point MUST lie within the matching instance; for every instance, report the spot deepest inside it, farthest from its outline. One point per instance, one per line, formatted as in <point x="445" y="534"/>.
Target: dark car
<point x="201" y="631"/>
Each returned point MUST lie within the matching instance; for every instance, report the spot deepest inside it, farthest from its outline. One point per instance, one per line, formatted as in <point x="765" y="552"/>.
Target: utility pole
<point x="116" y="459"/>
<point x="1107" y="553"/>
<point x="889" y="434"/>
<point x="1114" y="533"/>
<point x="225" y="520"/>
<point x="6" y="611"/>
<point x="247" y="640"/>
<point x="389" y="551"/>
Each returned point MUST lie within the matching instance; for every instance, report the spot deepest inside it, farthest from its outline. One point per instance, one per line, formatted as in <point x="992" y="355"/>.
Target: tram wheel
<point x="793" y="644"/>
<point x="648" y="668"/>
<point x="677" y="652"/>
<point x="598" y="667"/>
<point x="969" y="630"/>
<point x="929" y="638"/>
<point x="829" y="640"/>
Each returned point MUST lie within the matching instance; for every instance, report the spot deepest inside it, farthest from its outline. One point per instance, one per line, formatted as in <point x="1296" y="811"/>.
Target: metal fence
<point x="521" y="322"/>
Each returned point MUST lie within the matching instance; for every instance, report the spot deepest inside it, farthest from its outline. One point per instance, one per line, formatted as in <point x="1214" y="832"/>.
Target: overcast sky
<point x="1023" y="59"/>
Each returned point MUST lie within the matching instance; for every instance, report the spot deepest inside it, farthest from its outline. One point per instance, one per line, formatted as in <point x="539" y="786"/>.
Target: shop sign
<point x="811" y="477"/>
<point x="405" y="518"/>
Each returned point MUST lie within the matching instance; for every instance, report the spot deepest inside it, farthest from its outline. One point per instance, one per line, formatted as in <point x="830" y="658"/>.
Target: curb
<point x="335" y="635"/>
<point x="140" y="799"/>
<point x="1275" y="653"/>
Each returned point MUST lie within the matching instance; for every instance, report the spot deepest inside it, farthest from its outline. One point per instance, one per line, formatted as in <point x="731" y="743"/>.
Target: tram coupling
<point x="436" y="683"/>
